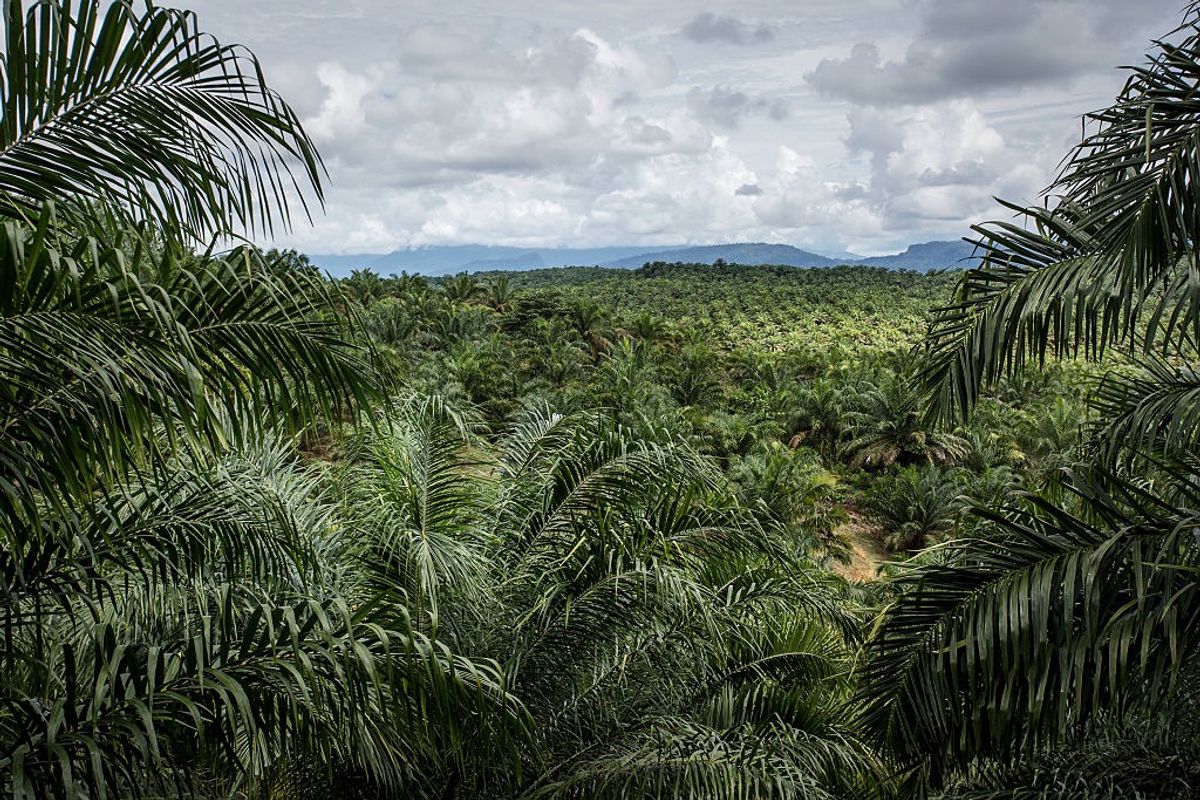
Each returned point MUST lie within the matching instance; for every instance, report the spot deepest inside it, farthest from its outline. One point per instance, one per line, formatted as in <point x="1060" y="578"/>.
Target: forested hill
<point x="753" y="254"/>
<point x="449" y="260"/>
<point x="927" y="256"/>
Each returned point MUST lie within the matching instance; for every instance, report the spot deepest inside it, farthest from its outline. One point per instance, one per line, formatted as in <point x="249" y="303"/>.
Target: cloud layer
<point x="967" y="48"/>
<point x="828" y="125"/>
<point x="708" y="27"/>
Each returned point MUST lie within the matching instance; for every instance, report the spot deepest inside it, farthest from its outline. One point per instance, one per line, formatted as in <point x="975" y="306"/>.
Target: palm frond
<point x="681" y="758"/>
<point x="139" y="110"/>
<point x="1008" y="644"/>
<point x="1154" y="411"/>
<point x="237" y="681"/>
<point x="97" y="359"/>
<point x="1114" y="261"/>
<point x="417" y="505"/>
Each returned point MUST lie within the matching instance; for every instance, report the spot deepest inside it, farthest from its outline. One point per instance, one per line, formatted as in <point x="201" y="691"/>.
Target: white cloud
<point x="934" y="169"/>
<point x="638" y="123"/>
<point x="341" y="112"/>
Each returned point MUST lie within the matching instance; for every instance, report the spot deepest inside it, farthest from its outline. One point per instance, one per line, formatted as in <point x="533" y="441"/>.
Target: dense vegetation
<point x="682" y="531"/>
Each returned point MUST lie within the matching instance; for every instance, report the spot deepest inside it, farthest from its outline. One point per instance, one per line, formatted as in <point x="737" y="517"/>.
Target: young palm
<point x="889" y="430"/>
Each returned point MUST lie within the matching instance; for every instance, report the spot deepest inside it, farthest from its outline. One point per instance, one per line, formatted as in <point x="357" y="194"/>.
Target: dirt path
<point x="867" y="552"/>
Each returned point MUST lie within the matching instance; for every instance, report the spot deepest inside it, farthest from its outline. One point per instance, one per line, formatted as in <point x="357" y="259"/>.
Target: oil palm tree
<point x="501" y="294"/>
<point x="918" y="505"/>
<point x="660" y="639"/>
<point x="888" y="428"/>
<point x="169" y="624"/>
<point x="1080" y="611"/>
<point x="591" y="323"/>
<point x="817" y="413"/>
<point x="464" y="288"/>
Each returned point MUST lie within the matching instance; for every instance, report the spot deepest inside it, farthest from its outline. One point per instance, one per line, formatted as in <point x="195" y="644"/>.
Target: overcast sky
<point x="834" y="125"/>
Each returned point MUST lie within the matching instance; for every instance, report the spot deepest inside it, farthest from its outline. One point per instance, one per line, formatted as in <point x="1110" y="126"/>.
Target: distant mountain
<point x="527" y="260"/>
<point x="340" y="266"/>
<point x="920" y="257"/>
<point x="447" y="260"/>
<point x="750" y="254"/>
<point x="927" y="256"/>
<point x="452" y="259"/>
<point x="485" y="258"/>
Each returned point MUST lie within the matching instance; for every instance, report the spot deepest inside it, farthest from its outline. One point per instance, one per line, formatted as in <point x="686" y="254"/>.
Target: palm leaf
<point x="1153" y="411"/>
<point x="139" y="110"/>
<point x="1009" y="644"/>
<point x="100" y="354"/>
<point x="1113" y="262"/>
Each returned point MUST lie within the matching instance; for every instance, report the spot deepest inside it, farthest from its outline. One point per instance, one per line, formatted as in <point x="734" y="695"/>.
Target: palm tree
<point x="1111" y="265"/>
<point x="645" y="325"/>
<point x="1075" y="615"/>
<point x="168" y="621"/>
<point x="793" y="489"/>
<point x="364" y="286"/>
<point x="816" y="412"/>
<point x="501" y="294"/>
<point x="693" y="379"/>
<point x="918" y="505"/>
<point x="463" y="288"/>
<point x="890" y="429"/>
<point x="592" y="325"/>
<point x="660" y="639"/>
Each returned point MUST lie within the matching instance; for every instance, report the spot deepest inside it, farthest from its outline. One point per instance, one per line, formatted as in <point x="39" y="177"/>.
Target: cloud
<point x="727" y="107"/>
<point x="933" y="170"/>
<point x="939" y="163"/>
<point x="341" y="112"/>
<point x="966" y="48"/>
<point x="460" y="104"/>
<point x="567" y="124"/>
<point x="468" y="137"/>
<point x="710" y="28"/>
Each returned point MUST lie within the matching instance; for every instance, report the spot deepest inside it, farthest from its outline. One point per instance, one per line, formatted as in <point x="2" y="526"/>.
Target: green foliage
<point x="793" y="488"/>
<point x="167" y="621"/>
<point x="568" y="533"/>
<point x="887" y="428"/>
<point x="604" y="572"/>
<point x="920" y="505"/>
<point x="139" y="111"/>
<point x="1023" y="662"/>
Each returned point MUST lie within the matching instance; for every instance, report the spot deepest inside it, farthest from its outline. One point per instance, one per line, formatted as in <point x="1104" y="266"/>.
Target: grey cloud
<point x="963" y="174"/>
<point x="708" y="28"/>
<point x="854" y="191"/>
<point x="642" y="132"/>
<point x="626" y="98"/>
<point x="569" y="122"/>
<point x="930" y="74"/>
<point x="969" y="47"/>
<point x="727" y="107"/>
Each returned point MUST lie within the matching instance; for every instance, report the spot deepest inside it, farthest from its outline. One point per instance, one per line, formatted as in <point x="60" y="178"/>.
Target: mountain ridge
<point x="447" y="260"/>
